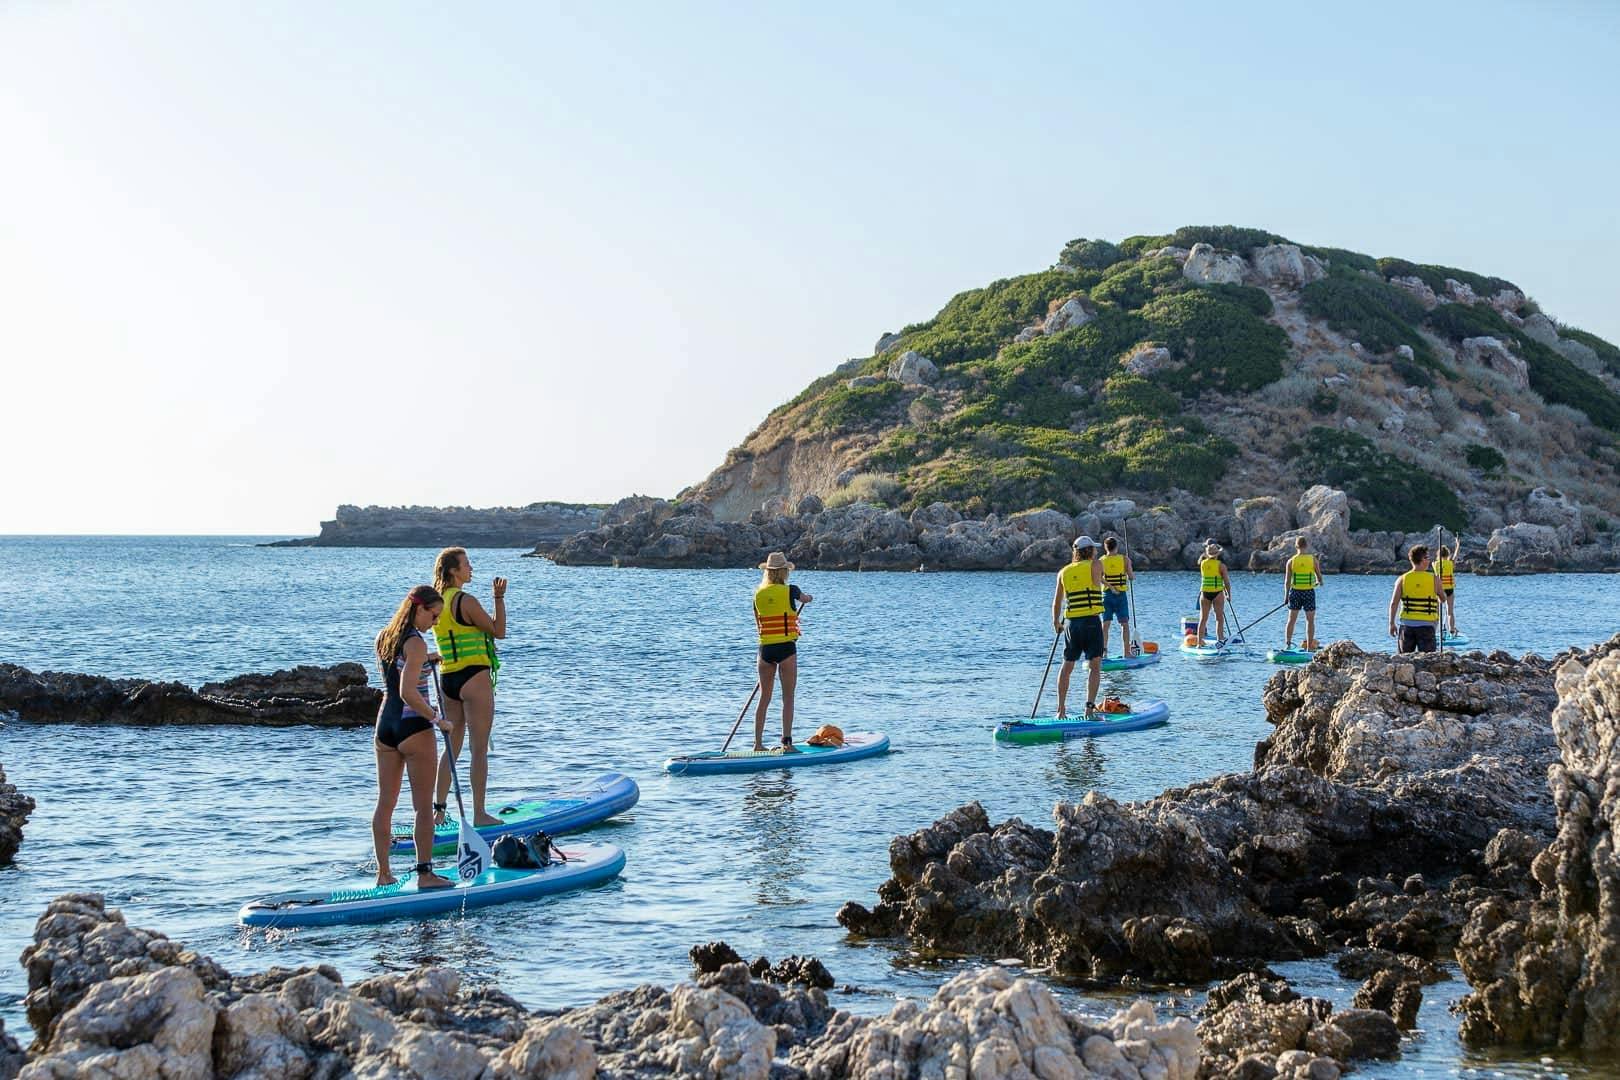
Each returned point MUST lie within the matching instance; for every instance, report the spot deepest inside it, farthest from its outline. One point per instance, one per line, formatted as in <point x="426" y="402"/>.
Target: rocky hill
<point x="541" y="523"/>
<point x="1201" y="367"/>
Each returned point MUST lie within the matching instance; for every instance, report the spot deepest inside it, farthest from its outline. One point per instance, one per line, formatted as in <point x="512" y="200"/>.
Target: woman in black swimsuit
<point x="405" y="738"/>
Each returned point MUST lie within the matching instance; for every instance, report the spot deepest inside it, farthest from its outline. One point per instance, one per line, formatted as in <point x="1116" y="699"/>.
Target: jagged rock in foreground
<point x="336" y="696"/>
<point x="1257" y="1027"/>
<point x="451" y="526"/>
<point x="107" y="999"/>
<point x="1380" y="771"/>
<point x="14" y="810"/>
<point x="1548" y="971"/>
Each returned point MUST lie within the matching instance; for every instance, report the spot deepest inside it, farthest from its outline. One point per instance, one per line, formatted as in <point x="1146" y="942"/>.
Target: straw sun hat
<point x="776" y="561"/>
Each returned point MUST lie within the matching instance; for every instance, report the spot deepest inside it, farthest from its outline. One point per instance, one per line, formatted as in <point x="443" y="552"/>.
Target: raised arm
<point x="473" y="613"/>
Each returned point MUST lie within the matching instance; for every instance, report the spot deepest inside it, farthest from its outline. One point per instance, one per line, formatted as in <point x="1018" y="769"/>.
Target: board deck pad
<point x="1051" y="729"/>
<point x="1289" y="656"/>
<point x="1129" y="663"/>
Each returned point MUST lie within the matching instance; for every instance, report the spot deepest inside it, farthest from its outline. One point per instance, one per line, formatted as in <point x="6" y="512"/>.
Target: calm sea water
<point x="617" y="669"/>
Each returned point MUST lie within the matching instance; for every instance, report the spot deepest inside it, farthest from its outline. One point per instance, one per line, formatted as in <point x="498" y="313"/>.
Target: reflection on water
<point x="616" y="669"/>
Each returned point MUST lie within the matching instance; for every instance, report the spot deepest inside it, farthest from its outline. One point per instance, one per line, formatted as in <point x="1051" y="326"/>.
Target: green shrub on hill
<point x="1375" y="313"/>
<point x="1255" y="299"/>
<point x="1560" y="382"/>
<point x="1391" y="494"/>
<point x="1227" y="237"/>
<point x="1131" y="395"/>
<point x="1609" y="354"/>
<point x="1435" y="276"/>
<point x="1133" y="284"/>
<point x="1158" y="452"/>
<point x="1024" y="380"/>
<point x="1459" y="321"/>
<point x="975" y="322"/>
<point x="859" y="406"/>
<point x="1341" y="259"/>
<point x="1225" y="346"/>
<point x="1132" y="246"/>
<point x="1487" y="459"/>
<point x="1083" y="254"/>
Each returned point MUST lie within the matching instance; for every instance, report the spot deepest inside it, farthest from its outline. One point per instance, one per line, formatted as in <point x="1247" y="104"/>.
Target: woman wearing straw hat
<point x="1214" y="588"/>
<point x="776" y="616"/>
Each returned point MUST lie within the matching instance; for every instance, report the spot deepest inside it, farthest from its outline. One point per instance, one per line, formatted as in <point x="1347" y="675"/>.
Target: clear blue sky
<point x="257" y="260"/>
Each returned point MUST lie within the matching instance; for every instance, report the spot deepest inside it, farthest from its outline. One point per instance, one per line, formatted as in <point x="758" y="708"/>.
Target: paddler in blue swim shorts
<point x="1079" y="601"/>
<point x="1118" y="573"/>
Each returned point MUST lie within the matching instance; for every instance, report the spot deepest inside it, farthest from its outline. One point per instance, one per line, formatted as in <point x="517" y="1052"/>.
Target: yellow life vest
<point x="1418" y="600"/>
<point x="1303" y="575"/>
<point x="1114" y="578"/>
<point x="1084" y="598"/>
<point x="462" y="646"/>
<point x="1210" y="568"/>
<point x="774" y="615"/>
<point x="1448" y="570"/>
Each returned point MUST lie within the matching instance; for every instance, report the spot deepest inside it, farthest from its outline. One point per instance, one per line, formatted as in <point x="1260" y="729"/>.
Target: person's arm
<point x="1130" y="569"/>
<point x="1097" y="574"/>
<point x="411" y="677"/>
<point x="1226" y="580"/>
<point x="1316" y="571"/>
<point x="1394" y="603"/>
<point x="473" y="613"/>
<point x="804" y="597"/>
<point x="1288" y="575"/>
<point x="1057" y="606"/>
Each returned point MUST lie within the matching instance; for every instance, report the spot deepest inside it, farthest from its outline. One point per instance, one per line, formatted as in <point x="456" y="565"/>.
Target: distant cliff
<point x="537" y="525"/>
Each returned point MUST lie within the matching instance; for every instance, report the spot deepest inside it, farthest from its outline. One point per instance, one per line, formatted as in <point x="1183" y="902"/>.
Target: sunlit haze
<point x="257" y="260"/>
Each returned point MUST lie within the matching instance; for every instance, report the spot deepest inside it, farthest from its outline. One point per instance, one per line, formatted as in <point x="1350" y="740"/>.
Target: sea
<point x="616" y="669"/>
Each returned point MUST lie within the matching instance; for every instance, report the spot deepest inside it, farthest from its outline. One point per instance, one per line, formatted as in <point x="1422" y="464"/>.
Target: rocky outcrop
<point x="1205" y="266"/>
<point x="1548" y="971"/>
<point x="1380" y="772"/>
<point x="336" y="696"/>
<point x="1256" y="1025"/>
<point x="912" y="368"/>
<point x="452" y="526"/>
<point x="1286" y="266"/>
<point x="14" y="810"/>
<point x="107" y="999"/>
<point x="1488" y="352"/>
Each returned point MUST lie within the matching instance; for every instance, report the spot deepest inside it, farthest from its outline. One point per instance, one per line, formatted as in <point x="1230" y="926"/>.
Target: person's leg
<point x="1451" y="612"/>
<point x="1063" y="688"/>
<point x="1093" y="681"/>
<point x="1108" y="632"/>
<point x="478" y="706"/>
<point x="788" y="672"/>
<point x="1126" y="645"/>
<point x="767" y="680"/>
<point x="1288" y="633"/>
<point x="1220" y="616"/>
<point x="390" y="768"/>
<point x="454" y="713"/>
<point x="1310" y="626"/>
<point x="419" y="759"/>
<point x="1203" y="615"/>
<point x="1426" y="640"/>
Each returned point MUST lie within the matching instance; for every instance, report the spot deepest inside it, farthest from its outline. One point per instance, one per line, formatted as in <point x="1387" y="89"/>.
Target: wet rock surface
<point x="336" y="696"/>
<point x="1256" y="1025"/>
<point x="1546" y="970"/>
<point x="14" y="810"/>
<point x="1380" y="775"/>
<point x="108" y="999"/>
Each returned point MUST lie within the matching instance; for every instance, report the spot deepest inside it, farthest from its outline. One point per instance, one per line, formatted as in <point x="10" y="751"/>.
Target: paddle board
<point x="1126" y="663"/>
<point x="587" y="864"/>
<point x="1289" y="656"/>
<point x="1208" y="652"/>
<point x="1456" y="639"/>
<point x="556" y="813"/>
<point x="857" y="745"/>
<point x="1047" y="729"/>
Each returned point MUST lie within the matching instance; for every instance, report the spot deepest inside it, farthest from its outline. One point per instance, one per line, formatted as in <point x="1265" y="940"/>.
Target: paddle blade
<point x="472" y="852"/>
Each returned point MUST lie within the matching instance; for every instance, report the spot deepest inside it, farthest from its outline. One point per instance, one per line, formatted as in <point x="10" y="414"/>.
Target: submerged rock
<point x="1547" y="972"/>
<point x="14" y="810"/>
<point x="336" y="696"/>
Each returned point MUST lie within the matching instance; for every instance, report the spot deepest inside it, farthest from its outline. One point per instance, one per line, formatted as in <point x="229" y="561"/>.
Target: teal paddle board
<point x="1207" y="652"/>
<point x="857" y="745"/>
<point x="1127" y="663"/>
<point x="1289" y="656"/>
<point x="1150" y="715"/>
<point x="585" y="865"/>
<point x="556" y="813"/>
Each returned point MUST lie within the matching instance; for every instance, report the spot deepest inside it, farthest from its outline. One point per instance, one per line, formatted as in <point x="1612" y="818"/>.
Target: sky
<point x="257" y="260"/>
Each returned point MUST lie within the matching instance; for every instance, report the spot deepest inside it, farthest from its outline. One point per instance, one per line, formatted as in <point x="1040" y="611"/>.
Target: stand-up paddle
<point x="1237" y="638"/>
<point x="727" y="744"/>
<point x="1050" y="657"/>
<point x="1250" y="626"/>
<point x="472" y="851"/>
<point x="1130" y="587"/>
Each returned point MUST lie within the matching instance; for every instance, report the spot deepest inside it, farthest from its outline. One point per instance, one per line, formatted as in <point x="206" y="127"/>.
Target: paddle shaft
<point x="1045" y="674"/>
<point x="725" y="745"/>
<point x="1130" y="586"/>
<point x="1439" y="593"/>
<point x="449" y="756"/>
<point x="1261" y="619"/>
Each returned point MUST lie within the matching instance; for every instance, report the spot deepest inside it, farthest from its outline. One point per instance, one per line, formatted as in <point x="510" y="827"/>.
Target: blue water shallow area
<point x="619" y="669"/>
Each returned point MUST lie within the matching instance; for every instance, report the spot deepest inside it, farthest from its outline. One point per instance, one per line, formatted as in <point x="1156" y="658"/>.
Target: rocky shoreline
<point x="539" y="523"/>
<point x="1258" y="534"/>
<point x="1398" y="814"/>
<point x="337" y="696"/>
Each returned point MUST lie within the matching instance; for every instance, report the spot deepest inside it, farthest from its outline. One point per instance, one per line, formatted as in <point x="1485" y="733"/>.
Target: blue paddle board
<point x="860" y="744"/>
<point x="556" y="813"/>
<point x="1127" y="663"/>
<point x="1289" y="656"/>
<point x="1456" y="639"/>
<point x="587" y="864"/>
<point x="1150" y="715"/>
